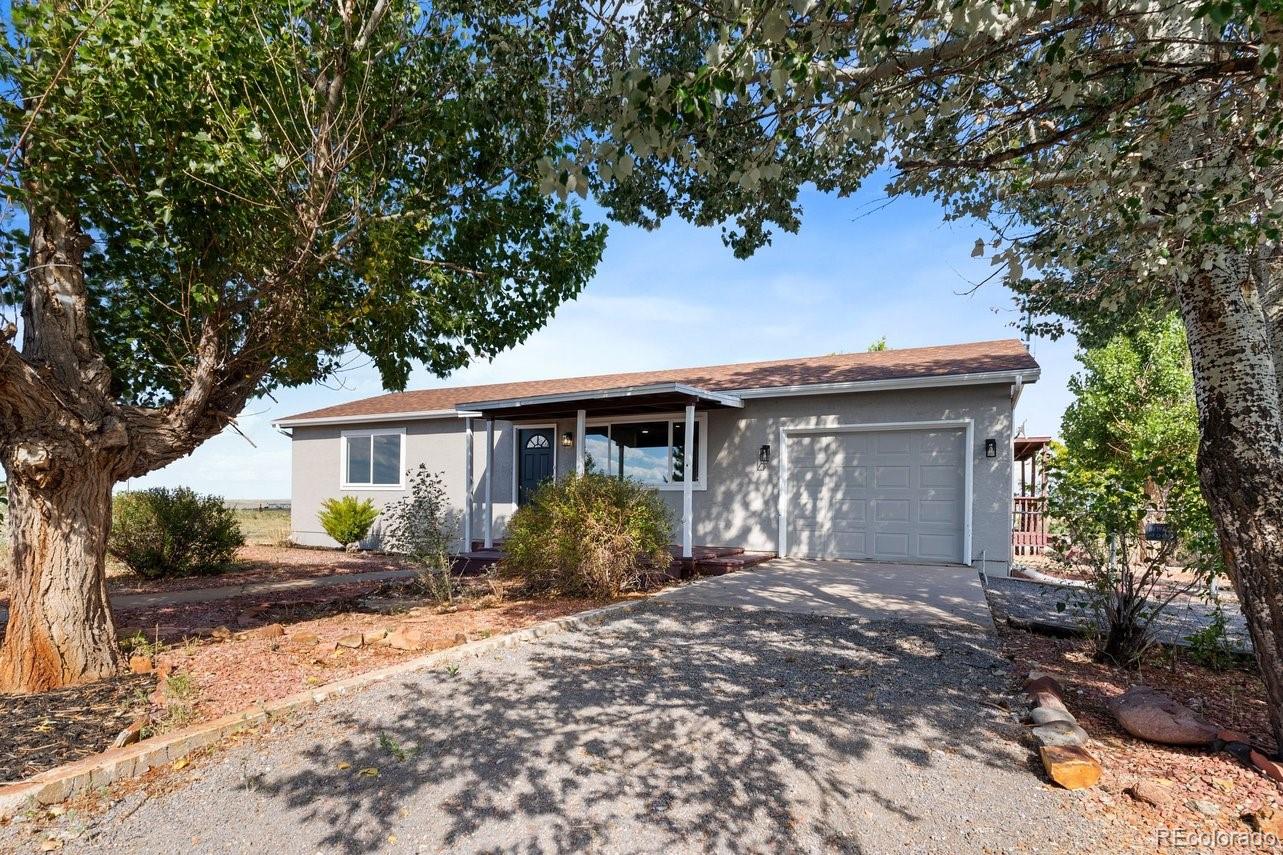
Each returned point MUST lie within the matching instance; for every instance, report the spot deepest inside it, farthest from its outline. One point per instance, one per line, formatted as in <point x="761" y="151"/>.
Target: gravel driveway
<point x="673" y="728"/>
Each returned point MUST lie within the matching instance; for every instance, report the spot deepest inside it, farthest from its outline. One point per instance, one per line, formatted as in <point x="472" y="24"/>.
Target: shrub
<point x="165" y="533"/>
<point x="590" y="535"/>
<point x="347" y="519"/>
<point x="1210" y="646"/>
<point x="421" y="527"/>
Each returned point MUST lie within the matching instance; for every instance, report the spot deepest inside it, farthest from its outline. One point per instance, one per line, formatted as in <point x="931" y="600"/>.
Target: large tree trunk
<point x="1240" y="458"/>
<point x="60" y="629"/>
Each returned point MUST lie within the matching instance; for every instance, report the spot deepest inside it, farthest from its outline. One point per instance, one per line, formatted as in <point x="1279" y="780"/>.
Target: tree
<point x="206" y="201"/>
<point x="1128" y="457"/>
<point x="877" y="346"/>
<point x="1126" y="154"/>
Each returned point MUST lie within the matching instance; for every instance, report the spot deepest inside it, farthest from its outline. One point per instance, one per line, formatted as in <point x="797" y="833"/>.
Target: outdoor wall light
<point x="567" y="439"/>
<point x="991" y="448"/>
<point x="764" y="454"/>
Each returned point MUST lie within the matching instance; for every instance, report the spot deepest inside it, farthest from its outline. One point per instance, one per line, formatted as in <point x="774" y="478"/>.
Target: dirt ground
<point x="1233" y="699"/>
<point x="212" y="659"/>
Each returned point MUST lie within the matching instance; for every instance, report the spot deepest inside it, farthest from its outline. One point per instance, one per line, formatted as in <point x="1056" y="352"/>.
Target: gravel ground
<point x="673" y="728"/>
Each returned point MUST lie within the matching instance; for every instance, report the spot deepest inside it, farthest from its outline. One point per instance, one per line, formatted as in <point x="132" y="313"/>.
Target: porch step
<point x="705" y="553"/>
<point x="476" y="562"/>
<point x="721" y="565"/>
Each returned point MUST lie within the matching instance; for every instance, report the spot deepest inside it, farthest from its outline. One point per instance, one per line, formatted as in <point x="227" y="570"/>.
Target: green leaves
<point x="1131" y="442"/>
<point x="251" y="166"/>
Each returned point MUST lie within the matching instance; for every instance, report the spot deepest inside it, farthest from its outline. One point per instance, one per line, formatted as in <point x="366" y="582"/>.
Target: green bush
<point x="347" y="519"/>
<point x="591" y="535"/>
<point x="164" y="533"/>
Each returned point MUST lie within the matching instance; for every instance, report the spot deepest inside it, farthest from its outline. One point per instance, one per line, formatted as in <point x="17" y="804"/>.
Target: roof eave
<point x="1026" y="375"/>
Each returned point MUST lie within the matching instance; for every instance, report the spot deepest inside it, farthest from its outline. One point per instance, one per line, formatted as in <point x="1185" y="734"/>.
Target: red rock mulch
<point x="235" y="674"/>
<point x="1233" y="699"/>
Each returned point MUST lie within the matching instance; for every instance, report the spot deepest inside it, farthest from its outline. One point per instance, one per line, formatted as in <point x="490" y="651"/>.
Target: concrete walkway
<point x="871" y="591"/>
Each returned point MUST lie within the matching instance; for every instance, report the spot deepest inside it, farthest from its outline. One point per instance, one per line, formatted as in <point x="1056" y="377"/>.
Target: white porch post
<point x="487" y="521"/>
<point x="467" y="480"/>
<point x="689" y="462"/>
<point x="581" y="428"/>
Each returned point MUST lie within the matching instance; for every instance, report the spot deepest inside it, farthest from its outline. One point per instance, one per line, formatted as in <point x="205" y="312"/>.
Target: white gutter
<point x="367" y="418"/>
<point x="975" y="379"/>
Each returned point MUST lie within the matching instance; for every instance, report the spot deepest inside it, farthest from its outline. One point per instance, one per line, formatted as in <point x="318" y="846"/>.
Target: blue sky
<point x="676" y="297"/>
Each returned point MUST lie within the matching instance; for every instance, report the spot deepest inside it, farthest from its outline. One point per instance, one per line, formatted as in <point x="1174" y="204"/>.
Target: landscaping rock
<point x="374" y="636"/>
<point x="1060" y="734"/>
<point x="460" y="638"/>
<point x="1204" y="807"/>
<point x="1046" y="715"/>
<point x="1048" y="701"/>
<point x="406" y="638"/>
<point x="131" y="734"/>
<point x="1072" y="768"/>
<point x="222" y="633"/>
<point x="272" y="630"/>
<point x="304" y="639"/>
<point x="351" y="641"/>
<point x="1153" y="716"/>
<point x="353" y="547"/>
<point x="1039" y="682"/>
<point x="1151" y="793"/>
<point x="1225" y="735"/>
<point x="1271" y="768"/>
<point x="140" y="665"/>
<point x="1266" y="820"/>
<point x="163" y="670"/>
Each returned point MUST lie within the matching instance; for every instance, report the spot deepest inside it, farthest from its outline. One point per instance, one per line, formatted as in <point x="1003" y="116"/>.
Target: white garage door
<point x="888" y="495"/>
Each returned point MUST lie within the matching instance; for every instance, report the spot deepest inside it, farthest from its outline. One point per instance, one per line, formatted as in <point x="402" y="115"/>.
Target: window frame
<point x="344" y="436"/>
<point x="672" y="420"/>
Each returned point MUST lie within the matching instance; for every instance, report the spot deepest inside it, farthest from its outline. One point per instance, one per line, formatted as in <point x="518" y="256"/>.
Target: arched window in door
<point x="537" y="441"/>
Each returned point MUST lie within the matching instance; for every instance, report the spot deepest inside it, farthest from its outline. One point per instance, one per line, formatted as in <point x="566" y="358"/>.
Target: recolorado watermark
<point x="1189" y="838"/>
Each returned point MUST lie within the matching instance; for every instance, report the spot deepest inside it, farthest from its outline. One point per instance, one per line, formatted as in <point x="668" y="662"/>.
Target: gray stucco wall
<point x="438" y="443"/>
<point x="740" y="506"/>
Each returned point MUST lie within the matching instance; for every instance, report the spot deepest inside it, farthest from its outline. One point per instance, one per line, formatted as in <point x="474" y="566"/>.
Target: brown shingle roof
<point x="906" y="363"/>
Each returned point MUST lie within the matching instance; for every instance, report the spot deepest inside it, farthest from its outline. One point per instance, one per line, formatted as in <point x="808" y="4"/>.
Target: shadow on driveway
<point x="674" y="728"/>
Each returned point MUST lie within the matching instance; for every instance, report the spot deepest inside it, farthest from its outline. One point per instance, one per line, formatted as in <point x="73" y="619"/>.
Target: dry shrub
<point x="591" y="535"/>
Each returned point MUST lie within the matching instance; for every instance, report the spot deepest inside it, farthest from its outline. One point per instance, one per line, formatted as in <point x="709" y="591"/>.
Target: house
<point x="898" y="455"/>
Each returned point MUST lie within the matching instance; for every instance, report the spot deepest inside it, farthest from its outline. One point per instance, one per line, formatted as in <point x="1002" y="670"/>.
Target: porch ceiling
<point x="631" y="400"/>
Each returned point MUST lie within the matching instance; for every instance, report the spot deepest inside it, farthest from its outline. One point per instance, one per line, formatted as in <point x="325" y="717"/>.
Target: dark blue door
<point x="534" y="460"/>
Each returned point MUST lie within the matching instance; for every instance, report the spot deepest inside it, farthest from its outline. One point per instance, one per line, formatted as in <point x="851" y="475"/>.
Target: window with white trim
<point x="373" y="458"/>
<point x="651" y="452"/>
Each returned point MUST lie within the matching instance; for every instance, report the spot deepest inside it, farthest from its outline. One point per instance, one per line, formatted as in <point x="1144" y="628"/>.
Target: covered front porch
<point x="655" y="432"/>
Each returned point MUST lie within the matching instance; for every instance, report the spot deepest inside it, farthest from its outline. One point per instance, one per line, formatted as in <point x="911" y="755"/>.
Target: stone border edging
<point x="116" y="764"/>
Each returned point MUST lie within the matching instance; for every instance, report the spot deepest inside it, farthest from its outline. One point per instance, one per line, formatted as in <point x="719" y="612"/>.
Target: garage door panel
<point x="891" y="510"/>
<point x="892" y="442"/>
<point x="891" y="495"/>
<point x="892" y="476"/>
<point x="939" y="547"/>
<point x="940" y="511"/>
<point x="936" y="475"/>
<point x="891" y="544"/>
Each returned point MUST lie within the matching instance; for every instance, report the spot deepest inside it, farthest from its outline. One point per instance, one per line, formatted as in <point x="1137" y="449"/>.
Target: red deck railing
<point x="1029" y="525"/>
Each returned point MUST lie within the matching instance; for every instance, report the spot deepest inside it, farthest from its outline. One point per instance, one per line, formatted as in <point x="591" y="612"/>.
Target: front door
<point x="534" y="460"/>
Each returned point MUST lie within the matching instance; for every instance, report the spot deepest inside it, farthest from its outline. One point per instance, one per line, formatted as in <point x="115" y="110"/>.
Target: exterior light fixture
<point x="764" y="454"/>
<point x="567" y="439"/>
<point x="991" y="448"/>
